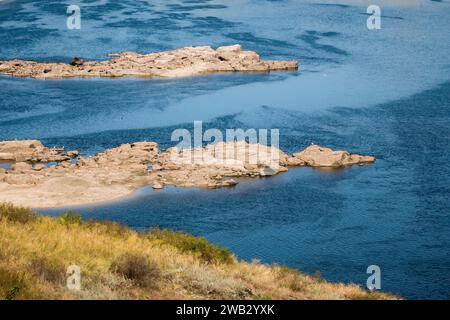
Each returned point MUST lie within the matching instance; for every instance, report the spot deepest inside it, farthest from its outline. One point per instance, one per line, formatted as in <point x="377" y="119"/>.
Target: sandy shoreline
<point x="66" y="200"/>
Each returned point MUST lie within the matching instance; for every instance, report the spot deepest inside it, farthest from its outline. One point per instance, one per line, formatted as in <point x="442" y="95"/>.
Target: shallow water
<point x="385" y="93"/>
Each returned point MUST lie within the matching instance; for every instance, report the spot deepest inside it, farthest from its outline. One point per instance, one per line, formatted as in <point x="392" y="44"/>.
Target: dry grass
<point x="118" y="263"/>
<point x="138" y="269"/>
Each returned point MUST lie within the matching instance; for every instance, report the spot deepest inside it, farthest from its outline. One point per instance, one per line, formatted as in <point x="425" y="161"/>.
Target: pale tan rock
<point x="29" y="150"/>
<point x="2" y="174"/>
<point x="295" y="162"/>
<point x="317" y="156"/>
<point x="268" y="171"/>
<point x="119" y="171"/>
<point x="221" y="184"/>
<point x="81" y="162"/>
<point x="64" y="164"/>
<point x="7" y="156"/>
<point x="38" y="166"/>
<point x="49" y="158"/>
<point x="72" y="154"/>
<point x="189" y="61"/>
<point x="16" y="150"/>
<point x="21" y="167"/>
<point x="156" y="167"/>
<point x="211" y="166"/>
<point x="157" y="186"/>
<point x="20" y="179"/>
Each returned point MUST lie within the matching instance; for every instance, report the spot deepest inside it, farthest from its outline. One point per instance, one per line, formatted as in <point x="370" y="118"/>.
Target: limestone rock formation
<point x="189" y="61"/>
<point x="119" y="171"/>
<point x="317" y="156"/>
<point x="21" y="167"/>
<point x="72" y="154"/>
<point x="29" y="150"/>
<point x="157" y="186"/>
<point x="210" y="166"/>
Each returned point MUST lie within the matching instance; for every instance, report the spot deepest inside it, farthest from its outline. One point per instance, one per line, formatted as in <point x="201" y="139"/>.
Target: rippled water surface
<point x="385" y="93"/>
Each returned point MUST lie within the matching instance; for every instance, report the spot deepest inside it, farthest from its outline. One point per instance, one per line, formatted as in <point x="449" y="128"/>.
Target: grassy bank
<point x="118" y="263"/>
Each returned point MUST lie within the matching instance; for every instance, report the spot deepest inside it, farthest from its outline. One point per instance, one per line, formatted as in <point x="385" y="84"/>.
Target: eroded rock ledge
<point x="117" y="172"/>
<point x="189" y="61"/>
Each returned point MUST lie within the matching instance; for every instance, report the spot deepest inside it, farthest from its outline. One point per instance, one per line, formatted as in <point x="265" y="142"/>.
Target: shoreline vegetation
<point x="42" y="177"/>
<point x="183" y="62"/>
<point x="119" y="263"/>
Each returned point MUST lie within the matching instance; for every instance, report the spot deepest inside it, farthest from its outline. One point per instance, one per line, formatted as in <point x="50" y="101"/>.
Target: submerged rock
<point x="189" y="61"/>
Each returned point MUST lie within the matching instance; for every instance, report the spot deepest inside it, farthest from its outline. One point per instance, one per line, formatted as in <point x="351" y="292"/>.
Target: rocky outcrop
<point x="213" y="165"/>
<point x="317" y="156"/>
<point x="30" y="150"/>
<point x="189" y="61"/>
<point x="119" y="171"/>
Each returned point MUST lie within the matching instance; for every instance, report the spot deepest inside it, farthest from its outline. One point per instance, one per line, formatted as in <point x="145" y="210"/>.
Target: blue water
<point x="385" y="93"/>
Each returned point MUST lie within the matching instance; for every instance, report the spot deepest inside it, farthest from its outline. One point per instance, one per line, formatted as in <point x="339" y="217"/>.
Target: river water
<point x="380" y="92"/>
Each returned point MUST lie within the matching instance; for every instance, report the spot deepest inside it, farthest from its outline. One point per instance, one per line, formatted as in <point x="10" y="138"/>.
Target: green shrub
<point x="16" y="214"/>
<point x="112" y="228"/>
<point x="200" y="246"/>
<point x="137" y="268"/>
<point x="291" y="278"/>
<point x="285" y="271"/>
<point x="70" y="217"/>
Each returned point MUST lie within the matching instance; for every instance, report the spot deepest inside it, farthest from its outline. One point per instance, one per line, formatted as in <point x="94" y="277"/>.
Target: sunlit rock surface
<point x="189" y="61"/>
<point x="117" y="172"/>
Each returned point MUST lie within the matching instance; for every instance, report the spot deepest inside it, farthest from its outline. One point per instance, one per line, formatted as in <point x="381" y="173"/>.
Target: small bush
<point x="47" y="270"/>
<point x="317" y="276"/>
<point x="200" y="246"/>
<point x="286" y="271"/>
<point x="291" y="278"/>
<point x="140" y="270"/>
<point x="17" y="214"/>
<point x="11" y="285"/>
<point x="115" y="229"/>
<point x="70" y="217"/>
<point x="112" y="228"/>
